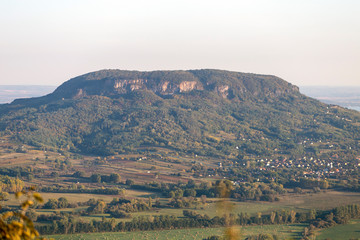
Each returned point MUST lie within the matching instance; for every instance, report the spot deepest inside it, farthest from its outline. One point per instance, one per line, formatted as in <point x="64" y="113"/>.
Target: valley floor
<point x="283" y="231"/>
<point x="288" y="231"/>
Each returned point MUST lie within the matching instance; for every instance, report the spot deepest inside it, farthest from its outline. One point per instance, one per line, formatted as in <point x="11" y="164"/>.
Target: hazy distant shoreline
<point x="9" y="93"/>
<point x="348" y="97"/>
<point x="355" y="108"/>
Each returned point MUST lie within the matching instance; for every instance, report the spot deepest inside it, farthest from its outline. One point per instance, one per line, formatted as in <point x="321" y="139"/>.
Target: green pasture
<point x="289" y="231"/>
<point x="341" y="232"/>
<point x="297" y="202"/>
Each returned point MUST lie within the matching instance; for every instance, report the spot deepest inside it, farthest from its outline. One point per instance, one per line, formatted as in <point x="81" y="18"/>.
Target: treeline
<point x="339" y="215"/>
<point x="258" y="191"/>
<point x="307" y="183"/>
<point x="59" y="203"/>
<point x="98" y="178"/>
<point x="10" y="184"/>
<point x="68" y="224"/>
<point x="62" y="202"/>
<point x="261" y="236"/>
<point x="106" y="191"/>
<point x="243" y="191"/>
<point x="112" y="178"/>
<point x="117" y="208"/>
<point x="350" y="183"/>
<point x="121" y="208"/>
<point x="17" y="172"/>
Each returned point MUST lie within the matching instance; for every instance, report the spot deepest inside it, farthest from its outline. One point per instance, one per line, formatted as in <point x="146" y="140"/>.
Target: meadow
<point x="289" y="231"/>
<point x="346" y="231"/>
<point x="297" y="202"/>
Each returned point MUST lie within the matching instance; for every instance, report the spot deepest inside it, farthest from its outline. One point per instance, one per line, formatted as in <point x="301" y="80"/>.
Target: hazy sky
<point x="307" y="42"/>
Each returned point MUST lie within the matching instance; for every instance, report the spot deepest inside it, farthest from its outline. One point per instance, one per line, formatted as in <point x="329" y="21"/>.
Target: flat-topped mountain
<point x="165" y="83"/>
<point x="207" y="112"/>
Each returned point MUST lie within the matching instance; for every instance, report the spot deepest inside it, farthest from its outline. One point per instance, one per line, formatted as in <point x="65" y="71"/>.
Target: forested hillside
<point x="204" y="112"/>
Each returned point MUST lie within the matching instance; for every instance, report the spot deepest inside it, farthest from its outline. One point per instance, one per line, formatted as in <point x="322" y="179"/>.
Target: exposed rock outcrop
<point x="223" y="90"/>
<point x="187" y="86"/>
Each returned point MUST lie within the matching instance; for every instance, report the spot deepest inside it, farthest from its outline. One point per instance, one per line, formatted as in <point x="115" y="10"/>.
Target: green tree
<point x="96" y="178"/>
<point x="115" y="178"/>
<point x="63" y="202"/>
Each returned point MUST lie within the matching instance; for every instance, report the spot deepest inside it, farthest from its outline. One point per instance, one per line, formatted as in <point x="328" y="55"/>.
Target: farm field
<point x="283" y="231"/>
<point x="163" y="167"/>
<point x="346" y="231"/>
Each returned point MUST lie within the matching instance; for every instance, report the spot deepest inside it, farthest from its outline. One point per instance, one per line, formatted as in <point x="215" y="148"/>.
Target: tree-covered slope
<point x="206" y="112"/>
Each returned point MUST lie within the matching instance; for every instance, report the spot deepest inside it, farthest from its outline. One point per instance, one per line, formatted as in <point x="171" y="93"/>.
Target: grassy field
<point x="83" y="197"/>
<point x="283" y="231"/>
<point x="320" y="201"/>
<point x="297" y="202"/>
<point x="343" y="232"/>
<point x="71" y="197"/>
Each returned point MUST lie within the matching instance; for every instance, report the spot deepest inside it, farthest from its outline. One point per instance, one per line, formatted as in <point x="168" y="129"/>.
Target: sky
<point x="308" y="42"/>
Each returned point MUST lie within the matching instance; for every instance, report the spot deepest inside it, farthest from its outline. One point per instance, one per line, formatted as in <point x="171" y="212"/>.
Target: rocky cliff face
<point x="125" y="86"/>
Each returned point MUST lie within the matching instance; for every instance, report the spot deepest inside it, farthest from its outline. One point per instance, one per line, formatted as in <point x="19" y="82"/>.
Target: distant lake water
<point x="355" y="108"/>
<point x="348" y="97"/>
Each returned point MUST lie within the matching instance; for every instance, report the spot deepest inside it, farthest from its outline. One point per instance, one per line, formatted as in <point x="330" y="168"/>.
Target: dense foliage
<point x="10" y="184"/>
<point x="244" y="191"/>
<point x="15" y="224"/>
